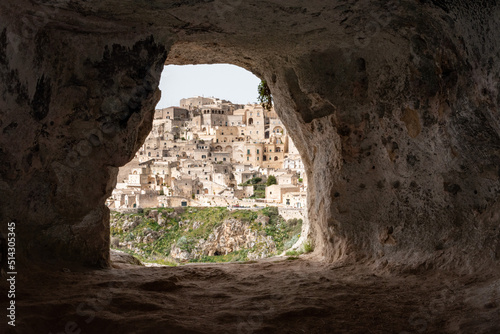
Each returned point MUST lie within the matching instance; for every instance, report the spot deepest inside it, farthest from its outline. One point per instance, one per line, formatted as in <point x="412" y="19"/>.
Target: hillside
<point x="214" y="234"/>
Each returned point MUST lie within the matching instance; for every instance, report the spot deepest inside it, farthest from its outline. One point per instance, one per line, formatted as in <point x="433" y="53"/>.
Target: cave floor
<point x="272" y="296"/>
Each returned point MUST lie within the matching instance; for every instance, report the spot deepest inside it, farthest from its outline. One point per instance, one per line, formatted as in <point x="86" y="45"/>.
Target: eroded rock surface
<point x="234" y="235"/>
<point x="393" y="106"/>
<point x="266" y="297"/>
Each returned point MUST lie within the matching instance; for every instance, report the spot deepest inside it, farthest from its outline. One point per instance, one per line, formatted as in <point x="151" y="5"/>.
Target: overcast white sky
<point x="224" y="81"/>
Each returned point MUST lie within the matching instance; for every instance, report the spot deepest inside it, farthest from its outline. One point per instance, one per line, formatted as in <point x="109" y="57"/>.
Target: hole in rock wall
<point x="218" y="179"/>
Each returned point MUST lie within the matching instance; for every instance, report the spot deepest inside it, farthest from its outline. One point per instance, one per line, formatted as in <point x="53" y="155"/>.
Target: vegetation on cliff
<point x="215" y="234"/>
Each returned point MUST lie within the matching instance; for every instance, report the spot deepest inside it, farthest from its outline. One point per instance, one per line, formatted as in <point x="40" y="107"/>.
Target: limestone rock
<point x="233" y="235"/>
<point x="153" y="214"/>
<point x="115" y="242"/>
<point x="179" y="254"/>
<point x="122" y="259"/>
<point x="264" y="220"/>
<point x="393" y="106"/>
<point x="161" y="220"/>
<point x="150" y="237"/>
<point x="131" y="224"/>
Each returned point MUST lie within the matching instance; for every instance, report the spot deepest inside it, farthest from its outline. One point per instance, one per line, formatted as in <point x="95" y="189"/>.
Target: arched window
<point x="250" y="121"/>
<point x="275" y="158"/>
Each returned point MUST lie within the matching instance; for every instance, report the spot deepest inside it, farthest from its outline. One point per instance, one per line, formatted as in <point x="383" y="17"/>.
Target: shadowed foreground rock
<point x="393" y="106"/>
<point x="289" y="296"/>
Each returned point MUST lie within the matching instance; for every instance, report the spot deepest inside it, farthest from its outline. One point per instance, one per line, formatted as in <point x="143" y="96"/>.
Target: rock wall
<point x="393" y="106"/>
<point x="234" y="235"/>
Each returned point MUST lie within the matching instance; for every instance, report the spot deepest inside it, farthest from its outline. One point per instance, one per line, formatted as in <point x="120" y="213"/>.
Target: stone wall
<point x="393" y="107"/>
<point x="289" y="213"/>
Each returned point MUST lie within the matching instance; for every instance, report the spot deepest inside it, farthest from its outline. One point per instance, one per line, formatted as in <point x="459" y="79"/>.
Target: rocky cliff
<point x="171" y="236"/>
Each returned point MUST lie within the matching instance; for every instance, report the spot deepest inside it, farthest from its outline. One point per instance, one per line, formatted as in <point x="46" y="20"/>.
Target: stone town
<point x="210" y="152"/>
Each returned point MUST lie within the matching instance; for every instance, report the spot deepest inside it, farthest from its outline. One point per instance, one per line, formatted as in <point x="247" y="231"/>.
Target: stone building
<point x="276" y="192"/>
<point x="172" y="113"/>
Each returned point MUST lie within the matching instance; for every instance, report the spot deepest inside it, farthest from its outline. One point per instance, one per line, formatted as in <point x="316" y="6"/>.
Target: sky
<point x="224" y="81"/>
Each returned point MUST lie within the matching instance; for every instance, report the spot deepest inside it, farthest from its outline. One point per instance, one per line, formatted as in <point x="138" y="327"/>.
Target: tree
<point x="271" y="180"/>
<point x="265" y="98"/>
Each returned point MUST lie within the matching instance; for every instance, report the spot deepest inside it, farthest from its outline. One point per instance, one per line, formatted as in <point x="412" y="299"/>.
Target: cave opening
<point x="215" y="157"/>
<point x="394" y="109"/>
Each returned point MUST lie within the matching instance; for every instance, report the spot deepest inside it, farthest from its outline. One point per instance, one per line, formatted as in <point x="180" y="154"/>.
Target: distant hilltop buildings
<point x="205" y="152"/>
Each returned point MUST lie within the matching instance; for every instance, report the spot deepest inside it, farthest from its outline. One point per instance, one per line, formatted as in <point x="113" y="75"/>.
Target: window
<point x="248" y="151"/>
<point x="258" y="151"/>
<point x="257" y="158"/>
<point x="287" y="201"/>
<point x="248" y="158"/>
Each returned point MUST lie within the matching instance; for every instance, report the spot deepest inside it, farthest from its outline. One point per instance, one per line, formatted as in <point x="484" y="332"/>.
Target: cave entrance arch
<point x="204" y="116"/>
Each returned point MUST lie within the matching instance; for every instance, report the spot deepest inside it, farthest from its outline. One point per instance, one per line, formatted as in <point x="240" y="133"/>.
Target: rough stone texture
<point x="234" y="235"/>
<point x="393" y="106"/>
<point x="298" y="296"/>
<point x="123" y="260"/>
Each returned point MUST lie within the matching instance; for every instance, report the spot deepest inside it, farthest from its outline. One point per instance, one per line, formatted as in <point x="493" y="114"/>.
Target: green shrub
<point x="252" y="181"/>
<point x="293" y="253"/>
<point x="256" y="180"/>
<point x="186" y="244"/>
<point x="308" y="247"/>
<point x="271" y="180"/>
<point x="290" y="242"/>
<point x="271" y="211"/>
